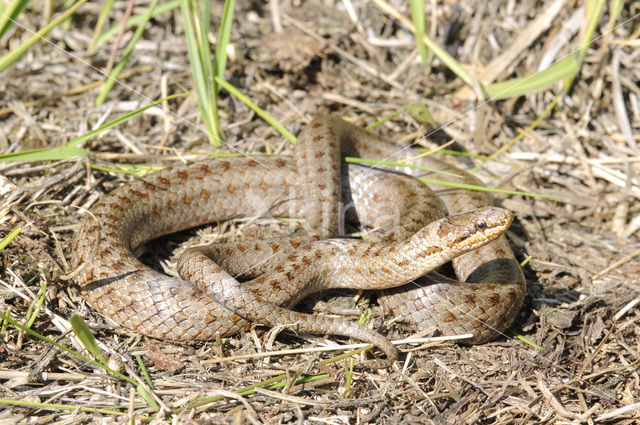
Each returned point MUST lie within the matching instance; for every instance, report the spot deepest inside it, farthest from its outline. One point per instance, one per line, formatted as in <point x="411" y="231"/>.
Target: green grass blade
<point x="102" y="18"/>
<point x="416" y="110"/>
<point x="421" y="113"/>
<point x="631" y="42"/>
<point x="66" y="349"/>
<point x="9" y="15"/>
<point x="261" y="112"/>
<point x="470" y="155"/>
<point x="420" y="24"/>
<point x="145" y="394"/>
<point x="234" y="154"/>
<point x="526" y="341"/>
<point x="202" y="33"/>
<point x="4" y="323"/>
<point x="45" y="154"/>
<point x="15" y="54"/>
<point x="615" y="9"/>
<point x="384" y="119"/>
<point x="209" y="100"/>
<point x="38" y="305"/>
<point x="135" y="20"/>
<point x="275" y="382"/>
<point x="112" y="78"/>
<point x="192" y="51"/>
<point x="594" y="12"/>
<point x="567" y="69"/>
<point x="271" y="384"/>
<point x="358" y="160"/>
<point x="485" y="189"/>
<point x="86" y="337"/>
<point x="89" y="135"/>
<point x="84" y="334"/>
<point x="70" y="407"/>
<point x="365" y="316"/>
<point x="144" y="371"/>
<point x="348" y="376"/>
<point x="448" y="60"/>
<point x="223" y="39"/>
<point x="522" y="85"/>
<point x="139" y="170"/>
<point x="8" y="238"/>
<point x="201" y="70"/>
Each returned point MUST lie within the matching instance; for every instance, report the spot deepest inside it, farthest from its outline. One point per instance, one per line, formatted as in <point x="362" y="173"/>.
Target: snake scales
<point x="211" y="302"/>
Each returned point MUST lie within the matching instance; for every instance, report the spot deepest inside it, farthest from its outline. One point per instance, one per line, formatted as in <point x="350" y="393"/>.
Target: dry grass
<point x="581" y="306"/>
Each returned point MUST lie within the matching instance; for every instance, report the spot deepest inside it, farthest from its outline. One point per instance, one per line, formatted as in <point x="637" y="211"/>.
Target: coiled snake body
<point x="211" y="302"/>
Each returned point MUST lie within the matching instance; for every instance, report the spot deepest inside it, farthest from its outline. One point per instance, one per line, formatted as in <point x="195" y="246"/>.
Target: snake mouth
<point x="480" y="239"/>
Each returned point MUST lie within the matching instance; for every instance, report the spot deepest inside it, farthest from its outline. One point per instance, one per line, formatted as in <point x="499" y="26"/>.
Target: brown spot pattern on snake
<point x="205" y="170"/>
<point x="494" y="299"/>
<point x="294" y="243"/>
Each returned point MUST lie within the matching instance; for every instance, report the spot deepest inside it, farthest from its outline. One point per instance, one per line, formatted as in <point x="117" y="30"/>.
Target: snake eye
<point x="480" y="225"/>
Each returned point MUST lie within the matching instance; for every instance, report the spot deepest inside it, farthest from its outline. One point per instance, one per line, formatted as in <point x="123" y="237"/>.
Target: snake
<point x="425" y="230"/>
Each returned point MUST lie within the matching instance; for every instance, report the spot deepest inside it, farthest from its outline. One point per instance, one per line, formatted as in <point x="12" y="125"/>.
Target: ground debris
<point x="578" y="359"/>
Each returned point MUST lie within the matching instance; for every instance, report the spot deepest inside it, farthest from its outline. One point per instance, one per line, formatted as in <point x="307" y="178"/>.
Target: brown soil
<point x="581" y="305"/>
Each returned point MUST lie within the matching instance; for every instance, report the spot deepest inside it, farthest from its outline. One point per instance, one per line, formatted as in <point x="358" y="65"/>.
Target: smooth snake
<point x="283" y="271"/>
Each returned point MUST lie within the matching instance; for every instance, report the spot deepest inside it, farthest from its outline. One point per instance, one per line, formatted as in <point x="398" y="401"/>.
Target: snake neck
<point x="396" y="264"/>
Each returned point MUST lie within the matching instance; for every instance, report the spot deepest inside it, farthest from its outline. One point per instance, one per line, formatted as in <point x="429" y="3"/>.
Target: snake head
<point x="450" y="237"/>
<point x="470" y="230"/>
